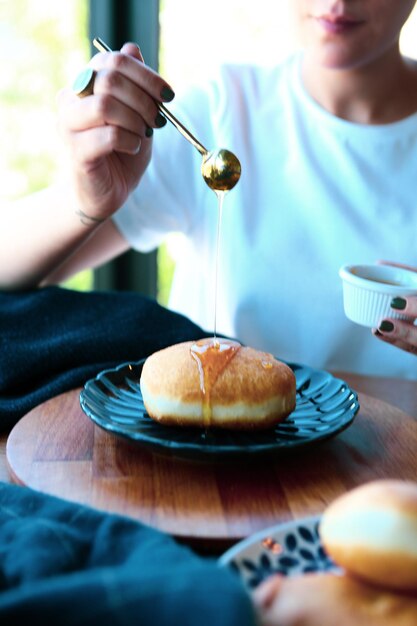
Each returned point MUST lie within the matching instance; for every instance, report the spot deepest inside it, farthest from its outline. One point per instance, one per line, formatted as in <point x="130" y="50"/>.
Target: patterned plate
<point x="287" y="549"/>
<point x="325" y="406"/>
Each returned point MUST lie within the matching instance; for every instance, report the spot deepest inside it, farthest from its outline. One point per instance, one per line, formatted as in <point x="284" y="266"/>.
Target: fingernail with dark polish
<point x="377" y="333"/>
<point x="398" y="303"/>
<point x="386" y="326"/>
<point x="149" y="131"/>
<point x="160" y="121"/>
<point x="167" y="94"/>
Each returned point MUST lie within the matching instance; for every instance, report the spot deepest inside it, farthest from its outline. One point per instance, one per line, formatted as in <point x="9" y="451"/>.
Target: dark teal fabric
<point x="63" y="564"/>
<point x="54" y="339"/>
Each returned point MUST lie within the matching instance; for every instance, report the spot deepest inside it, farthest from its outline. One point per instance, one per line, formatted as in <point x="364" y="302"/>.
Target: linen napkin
<point x="66" y="564"/>
<point x="54" y="339"/>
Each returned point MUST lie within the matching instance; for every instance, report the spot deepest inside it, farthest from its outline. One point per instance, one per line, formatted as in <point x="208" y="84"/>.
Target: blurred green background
<point x="43" y="45"/>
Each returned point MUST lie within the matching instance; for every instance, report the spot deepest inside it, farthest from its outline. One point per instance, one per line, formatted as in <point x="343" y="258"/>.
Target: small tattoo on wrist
<point x="87" y="220"/>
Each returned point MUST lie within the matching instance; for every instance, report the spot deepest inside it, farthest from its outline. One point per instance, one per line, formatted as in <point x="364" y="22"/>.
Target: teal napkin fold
<point x="70" y="565"/>
<point x="55" y="339"/>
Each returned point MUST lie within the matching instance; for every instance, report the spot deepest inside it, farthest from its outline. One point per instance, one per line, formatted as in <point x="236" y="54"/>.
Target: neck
<point x="381" y="92"/>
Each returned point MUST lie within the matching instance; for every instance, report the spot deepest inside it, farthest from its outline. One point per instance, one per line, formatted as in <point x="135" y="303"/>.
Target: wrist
<point x="88" y="220"/>
<point x="77" y="210"/>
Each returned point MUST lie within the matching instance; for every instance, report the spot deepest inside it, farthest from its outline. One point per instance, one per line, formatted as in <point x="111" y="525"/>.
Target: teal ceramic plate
<point x="325" y="406"/>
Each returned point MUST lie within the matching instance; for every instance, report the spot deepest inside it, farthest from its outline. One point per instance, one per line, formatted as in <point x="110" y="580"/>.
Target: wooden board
<point x="57" y="449"/>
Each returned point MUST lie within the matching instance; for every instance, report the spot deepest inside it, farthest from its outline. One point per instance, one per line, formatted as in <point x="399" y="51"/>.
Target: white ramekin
<point x="369" y="289"/>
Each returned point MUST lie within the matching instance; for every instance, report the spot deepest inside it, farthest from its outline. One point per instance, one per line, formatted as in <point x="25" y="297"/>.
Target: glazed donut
<point x="371" y="532"/>
<point x="217" y="383"/>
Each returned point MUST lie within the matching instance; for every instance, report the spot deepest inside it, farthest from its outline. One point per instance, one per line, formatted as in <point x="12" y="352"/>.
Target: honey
<point x="220" y="198"/>
<point x="211" y="356"/>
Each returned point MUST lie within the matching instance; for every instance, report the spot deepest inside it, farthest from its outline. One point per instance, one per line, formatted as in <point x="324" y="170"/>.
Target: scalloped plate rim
<point x="217" y="449"/>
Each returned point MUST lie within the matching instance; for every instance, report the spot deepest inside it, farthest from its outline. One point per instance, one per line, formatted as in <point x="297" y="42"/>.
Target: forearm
<point x="38" y="234"/>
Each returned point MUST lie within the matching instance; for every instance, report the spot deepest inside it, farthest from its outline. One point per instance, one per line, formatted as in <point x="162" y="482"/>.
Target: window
<point x="42" y="47"/>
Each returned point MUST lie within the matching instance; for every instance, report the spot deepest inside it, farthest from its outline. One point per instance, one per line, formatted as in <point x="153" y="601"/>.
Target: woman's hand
<point x="400" y="333"/>
<point x="109" y="133"/>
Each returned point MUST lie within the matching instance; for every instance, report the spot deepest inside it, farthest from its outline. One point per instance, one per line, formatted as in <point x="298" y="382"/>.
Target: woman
<point x="327" y="144"/>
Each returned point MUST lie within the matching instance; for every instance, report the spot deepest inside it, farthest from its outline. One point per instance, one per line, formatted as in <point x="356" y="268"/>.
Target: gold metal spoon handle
<point x="103" y="47"/>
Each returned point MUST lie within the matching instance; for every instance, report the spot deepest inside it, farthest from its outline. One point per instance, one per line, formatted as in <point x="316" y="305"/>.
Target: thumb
<point x="133" y="50"/>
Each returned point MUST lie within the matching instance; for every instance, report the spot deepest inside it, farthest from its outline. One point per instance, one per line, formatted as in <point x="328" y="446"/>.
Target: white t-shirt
<point x="316" y="192"/>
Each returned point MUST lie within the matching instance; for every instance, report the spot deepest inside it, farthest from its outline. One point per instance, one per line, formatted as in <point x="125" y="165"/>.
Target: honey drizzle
<point x="220" y="198"/>
<point x="211" y="356"/>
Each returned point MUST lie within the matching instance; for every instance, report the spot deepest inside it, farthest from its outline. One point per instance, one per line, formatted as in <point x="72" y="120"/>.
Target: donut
<point x="217" y="383"/>
<point x="371" y="532"/>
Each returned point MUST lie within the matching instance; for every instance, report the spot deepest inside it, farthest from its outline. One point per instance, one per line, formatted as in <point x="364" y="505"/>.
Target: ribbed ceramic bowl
<point x="369" y="289"/>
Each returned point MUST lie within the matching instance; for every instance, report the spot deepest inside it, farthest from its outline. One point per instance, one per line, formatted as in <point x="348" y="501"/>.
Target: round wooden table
<point x="58" y="450"/>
